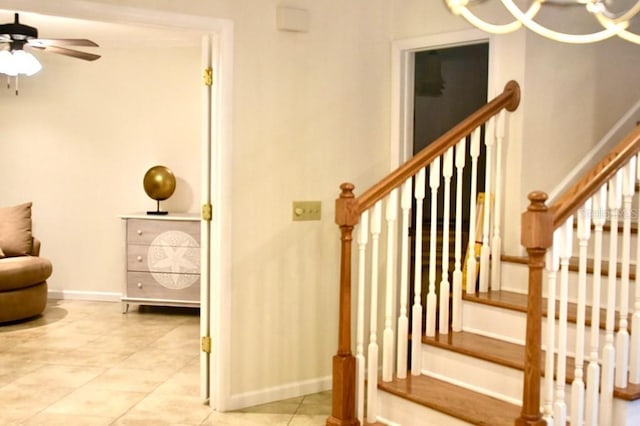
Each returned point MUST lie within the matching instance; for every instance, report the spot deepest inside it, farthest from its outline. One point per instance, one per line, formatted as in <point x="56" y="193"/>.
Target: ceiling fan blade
<point x="42" y="42"/>
<point x="69" y="52"/>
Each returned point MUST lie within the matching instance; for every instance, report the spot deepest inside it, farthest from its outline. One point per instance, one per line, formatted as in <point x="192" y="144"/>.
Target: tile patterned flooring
<point x="85" y="363"/>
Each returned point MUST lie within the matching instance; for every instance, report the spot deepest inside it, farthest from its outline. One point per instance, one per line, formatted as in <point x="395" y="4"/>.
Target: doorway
<point x="217" y="52"/>
<point x="448" y="84"/>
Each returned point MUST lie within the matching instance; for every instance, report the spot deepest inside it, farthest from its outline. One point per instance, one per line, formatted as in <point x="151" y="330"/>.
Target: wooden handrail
<point x="509" y="99"/>
<point x="586" y="187"/>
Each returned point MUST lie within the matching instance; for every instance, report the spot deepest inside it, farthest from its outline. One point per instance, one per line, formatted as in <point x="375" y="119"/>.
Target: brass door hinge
<point x="207" y="76"/>
<point x="207" y="211"/>
<point x="206" y="344"/>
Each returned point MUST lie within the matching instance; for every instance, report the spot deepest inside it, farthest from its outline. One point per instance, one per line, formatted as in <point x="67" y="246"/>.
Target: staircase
<point x="542" y="339"/>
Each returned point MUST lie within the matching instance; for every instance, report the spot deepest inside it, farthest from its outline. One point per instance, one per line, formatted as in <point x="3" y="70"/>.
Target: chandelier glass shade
<point x="613" y="24"/>
<point x="17" y="62"/>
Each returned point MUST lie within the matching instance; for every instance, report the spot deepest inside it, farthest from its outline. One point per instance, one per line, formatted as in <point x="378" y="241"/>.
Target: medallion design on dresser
<point x="174" y="259"/>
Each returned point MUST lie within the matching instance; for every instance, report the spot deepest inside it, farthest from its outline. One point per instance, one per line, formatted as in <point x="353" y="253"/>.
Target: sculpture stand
<point x="158" y="211"/>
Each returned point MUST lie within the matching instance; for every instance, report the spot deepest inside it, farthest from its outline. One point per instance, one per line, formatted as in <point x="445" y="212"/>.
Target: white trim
<point x="205" y="225"/>
<point x="278" y="393"/>
<point x="223" y="31"/>
<point x="402" y="83"/>
<point x="221" y="235"/>
<point x="95" y="296"/>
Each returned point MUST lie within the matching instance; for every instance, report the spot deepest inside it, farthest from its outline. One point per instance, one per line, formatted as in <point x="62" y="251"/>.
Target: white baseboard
<point x="277" y="393"/>
<point x="96" y="296"/>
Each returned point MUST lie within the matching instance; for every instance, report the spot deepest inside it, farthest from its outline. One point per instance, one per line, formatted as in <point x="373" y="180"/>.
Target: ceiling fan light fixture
<point x="7" y="64"/>
<point x="18" y="62"/>
<point x="26" y="63"/>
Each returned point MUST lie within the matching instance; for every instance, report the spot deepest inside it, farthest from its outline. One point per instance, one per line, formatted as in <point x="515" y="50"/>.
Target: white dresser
<point x="163" y="260"/>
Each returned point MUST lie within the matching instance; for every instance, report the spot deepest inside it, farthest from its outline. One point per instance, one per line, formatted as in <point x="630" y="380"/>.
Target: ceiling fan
<point x="15" y="36"/>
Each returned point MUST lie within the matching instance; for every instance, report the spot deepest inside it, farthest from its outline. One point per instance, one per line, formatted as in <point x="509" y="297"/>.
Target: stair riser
<point x="626" y="413"/>
<point x="482" y="376"/>
<point x="501" y="382"/>
<point x="510" y="325"/>
<point x="606" y="242"/>
<point x="406" y="413"/>
<point x="515" y="278"/>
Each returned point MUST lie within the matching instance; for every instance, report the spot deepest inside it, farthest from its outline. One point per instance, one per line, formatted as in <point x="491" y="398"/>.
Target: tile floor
<point x="84" y="363"/>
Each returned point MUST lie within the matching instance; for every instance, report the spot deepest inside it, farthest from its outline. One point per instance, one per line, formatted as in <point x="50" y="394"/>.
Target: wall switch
<point x="307" y="210"/>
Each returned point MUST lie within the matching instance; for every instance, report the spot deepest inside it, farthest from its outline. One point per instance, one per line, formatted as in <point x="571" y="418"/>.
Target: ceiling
<point x="104" y="33"/>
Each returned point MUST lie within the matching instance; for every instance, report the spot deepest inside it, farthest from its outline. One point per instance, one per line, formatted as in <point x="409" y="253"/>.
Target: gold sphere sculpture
<point x="159" y="183"/>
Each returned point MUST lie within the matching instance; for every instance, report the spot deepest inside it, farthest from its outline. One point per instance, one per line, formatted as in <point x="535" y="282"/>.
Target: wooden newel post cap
<point x="347" y="206"/>
<point x="537" y="223"/>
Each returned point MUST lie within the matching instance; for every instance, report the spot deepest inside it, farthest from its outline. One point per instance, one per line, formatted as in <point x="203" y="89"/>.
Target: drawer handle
<point x="139" y="258"/>
<point x="139" y="231"/>
<point x="139" y="285"/>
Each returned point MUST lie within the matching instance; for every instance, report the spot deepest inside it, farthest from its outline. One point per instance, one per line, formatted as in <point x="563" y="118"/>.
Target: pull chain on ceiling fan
<point x="16" y="39"/>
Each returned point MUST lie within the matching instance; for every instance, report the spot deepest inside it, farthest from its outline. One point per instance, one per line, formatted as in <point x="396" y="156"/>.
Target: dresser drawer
<point x="166" y="286"/>
<point x="159" y="232"/>
<point x="158" y="258"/>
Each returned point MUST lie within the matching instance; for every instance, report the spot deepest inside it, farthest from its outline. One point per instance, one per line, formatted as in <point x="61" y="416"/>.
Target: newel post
<point x="344" y="363"/>
<point x="536" y="237"/>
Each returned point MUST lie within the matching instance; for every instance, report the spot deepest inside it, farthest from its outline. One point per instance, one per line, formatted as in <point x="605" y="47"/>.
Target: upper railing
<point x="444" y="166"/>
<point x="604" y="195"/>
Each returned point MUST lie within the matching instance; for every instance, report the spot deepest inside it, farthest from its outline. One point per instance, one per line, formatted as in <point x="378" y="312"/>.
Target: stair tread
<point x="518" y="302"/>
<point x="456" y="401"/>
<point x="508" y="354"/>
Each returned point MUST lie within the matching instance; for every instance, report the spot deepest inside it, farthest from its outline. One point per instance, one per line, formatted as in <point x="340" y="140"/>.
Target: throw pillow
<point x="15" y="230"/>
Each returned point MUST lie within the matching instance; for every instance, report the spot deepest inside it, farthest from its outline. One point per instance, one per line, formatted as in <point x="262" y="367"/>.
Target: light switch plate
<point x="306" y="210"/>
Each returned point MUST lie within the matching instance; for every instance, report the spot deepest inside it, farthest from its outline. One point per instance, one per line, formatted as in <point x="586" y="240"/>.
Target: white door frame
<point x="402" y="65"/>
<point x="220" y="32"/>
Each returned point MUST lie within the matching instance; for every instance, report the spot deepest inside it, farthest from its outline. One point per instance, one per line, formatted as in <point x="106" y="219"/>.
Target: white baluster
<point x="471" y="245"/>
<point x="566" y="240"/>
<point x="391" y="214"/>
<point x="496" y="242"/>
<point x="363" y="237"/>
<point x="622" y="337"/>
<point x="403" y="321"/>
<point x="609" y="352"/>
<point x="634" y="353"/>
<point x="432" y="301"/>
<point x="577" y="386"/>
<point x="445" y="287"/>
<point x="416" y="312"/>
<point x="372" y="370"/>
<point x="485" y="252"/>
<point x="456" y="322"/>
<point x="599" y="216"/>
<point x="552" y="265"/>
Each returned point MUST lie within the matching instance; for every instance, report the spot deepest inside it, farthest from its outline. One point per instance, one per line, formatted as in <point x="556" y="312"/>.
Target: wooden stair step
<point x="507" y="354"/>
<point x="518" y="302"/>
<point x="573" y="265"/>
<point x="455" y="401"/>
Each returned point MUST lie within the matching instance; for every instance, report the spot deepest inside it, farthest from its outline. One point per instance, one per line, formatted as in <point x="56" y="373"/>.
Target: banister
<point x="538" y="225"/>
<point x="347" y="214"/>
<point x="602" y="172"/>
<point x="509" y="99"/>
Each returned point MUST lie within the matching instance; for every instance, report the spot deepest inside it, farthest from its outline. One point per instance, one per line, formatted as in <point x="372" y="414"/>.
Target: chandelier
<point x="613" y="24"/>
